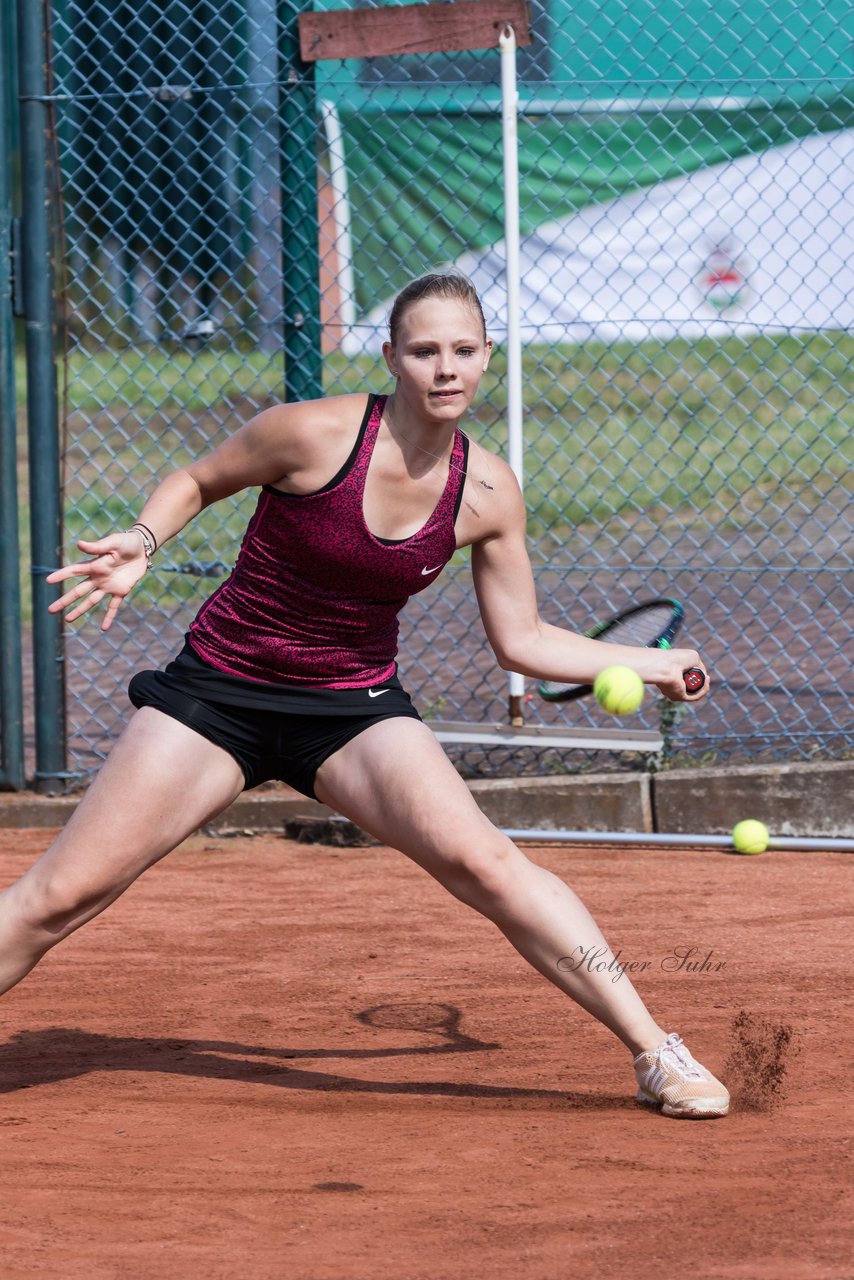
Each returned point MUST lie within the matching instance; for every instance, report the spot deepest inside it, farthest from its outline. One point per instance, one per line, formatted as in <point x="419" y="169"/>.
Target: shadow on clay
<point x="32" y="1058"/>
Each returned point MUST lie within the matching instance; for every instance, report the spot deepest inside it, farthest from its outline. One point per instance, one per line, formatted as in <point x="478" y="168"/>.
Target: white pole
<point x="341" y="217"/>
<point x="509" y="120"/>
<point x="647" y="837"/>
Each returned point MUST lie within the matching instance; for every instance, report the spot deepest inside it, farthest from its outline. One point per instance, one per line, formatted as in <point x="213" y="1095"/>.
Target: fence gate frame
<point x="692" y="401"/>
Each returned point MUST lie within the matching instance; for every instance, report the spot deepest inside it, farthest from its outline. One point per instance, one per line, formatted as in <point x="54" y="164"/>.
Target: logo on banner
<point x="722" y="279"/>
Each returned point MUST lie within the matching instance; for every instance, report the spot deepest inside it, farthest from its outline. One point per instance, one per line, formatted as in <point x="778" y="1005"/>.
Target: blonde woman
<point x="289" y="670"/>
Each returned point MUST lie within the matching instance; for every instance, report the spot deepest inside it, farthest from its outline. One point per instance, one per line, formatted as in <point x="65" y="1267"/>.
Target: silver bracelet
<point x="148" y="545"/>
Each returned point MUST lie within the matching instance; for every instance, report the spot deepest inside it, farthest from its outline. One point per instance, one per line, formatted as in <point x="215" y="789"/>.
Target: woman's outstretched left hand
<point x="118" y="563"/>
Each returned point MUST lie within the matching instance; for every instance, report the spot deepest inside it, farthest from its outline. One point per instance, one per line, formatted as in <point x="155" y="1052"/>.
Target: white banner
<point x="764" y="243"/>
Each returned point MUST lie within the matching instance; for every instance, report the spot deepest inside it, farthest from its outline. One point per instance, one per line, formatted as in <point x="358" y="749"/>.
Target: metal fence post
<point x="42" y="402"/>
<point x="298" y="181"/>
<point x="11" y="682"/>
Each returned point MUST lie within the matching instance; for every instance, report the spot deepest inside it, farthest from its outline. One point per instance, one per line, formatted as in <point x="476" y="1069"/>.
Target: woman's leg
<point x="396" y="782"/>
<point x="159" y="784"/>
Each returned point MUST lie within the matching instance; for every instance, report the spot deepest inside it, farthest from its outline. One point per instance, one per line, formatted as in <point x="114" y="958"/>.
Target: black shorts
<point x="288" y="743"/>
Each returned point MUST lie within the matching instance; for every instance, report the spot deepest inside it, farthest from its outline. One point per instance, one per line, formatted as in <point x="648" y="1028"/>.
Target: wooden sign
<point x="411" y="28"/>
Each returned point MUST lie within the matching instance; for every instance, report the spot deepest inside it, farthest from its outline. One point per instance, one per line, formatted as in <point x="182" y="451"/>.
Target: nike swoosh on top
<point x="424" y="572"/>
<point x="377" y="693"/>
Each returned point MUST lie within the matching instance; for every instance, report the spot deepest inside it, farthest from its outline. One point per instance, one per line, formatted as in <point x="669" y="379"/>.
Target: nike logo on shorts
<point x="377" y="693"/>
<point x="424" y="572"/>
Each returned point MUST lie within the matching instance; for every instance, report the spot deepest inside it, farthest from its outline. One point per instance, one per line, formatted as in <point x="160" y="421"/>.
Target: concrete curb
<point x="584" y="802"/>
<point x="809" y="800"/>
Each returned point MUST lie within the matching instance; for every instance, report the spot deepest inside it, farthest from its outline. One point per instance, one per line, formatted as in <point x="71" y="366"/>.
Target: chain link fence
<point x="688" y="295"/>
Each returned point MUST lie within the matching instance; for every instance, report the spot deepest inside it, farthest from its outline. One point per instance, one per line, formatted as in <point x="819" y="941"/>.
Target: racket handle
<point x="694" y="679"/>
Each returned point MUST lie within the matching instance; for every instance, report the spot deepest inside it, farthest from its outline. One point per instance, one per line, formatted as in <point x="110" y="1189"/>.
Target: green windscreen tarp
<point x="426" y="188"/>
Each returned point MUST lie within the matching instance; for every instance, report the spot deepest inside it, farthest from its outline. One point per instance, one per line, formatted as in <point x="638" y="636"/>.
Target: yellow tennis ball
<point x="619" y="690"/>
<point x="750" y="836"/>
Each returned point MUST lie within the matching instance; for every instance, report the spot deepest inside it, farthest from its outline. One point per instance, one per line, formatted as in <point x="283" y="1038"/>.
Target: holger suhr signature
<point x="681" y="959"/>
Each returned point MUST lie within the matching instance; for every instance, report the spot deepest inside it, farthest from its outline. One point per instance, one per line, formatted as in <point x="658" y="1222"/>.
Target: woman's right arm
<point x="119" y="560"/>
<point x="262" y="452"/>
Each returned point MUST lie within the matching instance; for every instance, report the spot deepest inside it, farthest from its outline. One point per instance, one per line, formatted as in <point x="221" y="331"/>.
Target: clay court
<point x="271" y="1059"/>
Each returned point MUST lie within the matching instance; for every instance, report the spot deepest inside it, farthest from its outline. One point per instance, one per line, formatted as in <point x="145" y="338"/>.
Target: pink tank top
<point x="314" y="596"/>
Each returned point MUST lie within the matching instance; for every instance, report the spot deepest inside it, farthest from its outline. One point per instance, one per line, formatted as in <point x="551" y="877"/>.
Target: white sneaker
<point x="669" y="1078"/>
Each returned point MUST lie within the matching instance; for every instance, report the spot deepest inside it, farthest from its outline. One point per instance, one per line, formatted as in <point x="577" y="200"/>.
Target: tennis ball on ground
<point x="619" y="690"/>
<point x="750" y="836"/>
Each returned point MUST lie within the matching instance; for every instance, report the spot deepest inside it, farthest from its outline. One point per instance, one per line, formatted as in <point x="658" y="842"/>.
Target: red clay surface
<point x="273" y="1060"/>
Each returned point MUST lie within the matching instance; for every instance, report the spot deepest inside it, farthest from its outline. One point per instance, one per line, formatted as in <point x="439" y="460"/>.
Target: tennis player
<point x="288" y="670"/>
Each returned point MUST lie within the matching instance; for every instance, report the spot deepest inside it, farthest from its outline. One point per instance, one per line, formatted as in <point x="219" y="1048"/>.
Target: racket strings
<point x="644" y="629"/>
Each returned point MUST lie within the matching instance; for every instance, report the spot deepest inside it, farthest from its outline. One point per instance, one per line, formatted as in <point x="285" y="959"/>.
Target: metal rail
<point x="502" y="735"/>
<point x="657" y="838"/>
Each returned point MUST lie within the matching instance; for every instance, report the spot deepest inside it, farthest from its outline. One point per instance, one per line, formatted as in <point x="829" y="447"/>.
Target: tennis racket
<point x="652" y="625"/>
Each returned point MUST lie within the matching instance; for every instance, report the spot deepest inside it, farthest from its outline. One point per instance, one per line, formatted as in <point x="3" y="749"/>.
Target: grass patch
<point x="710" y="427"/>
